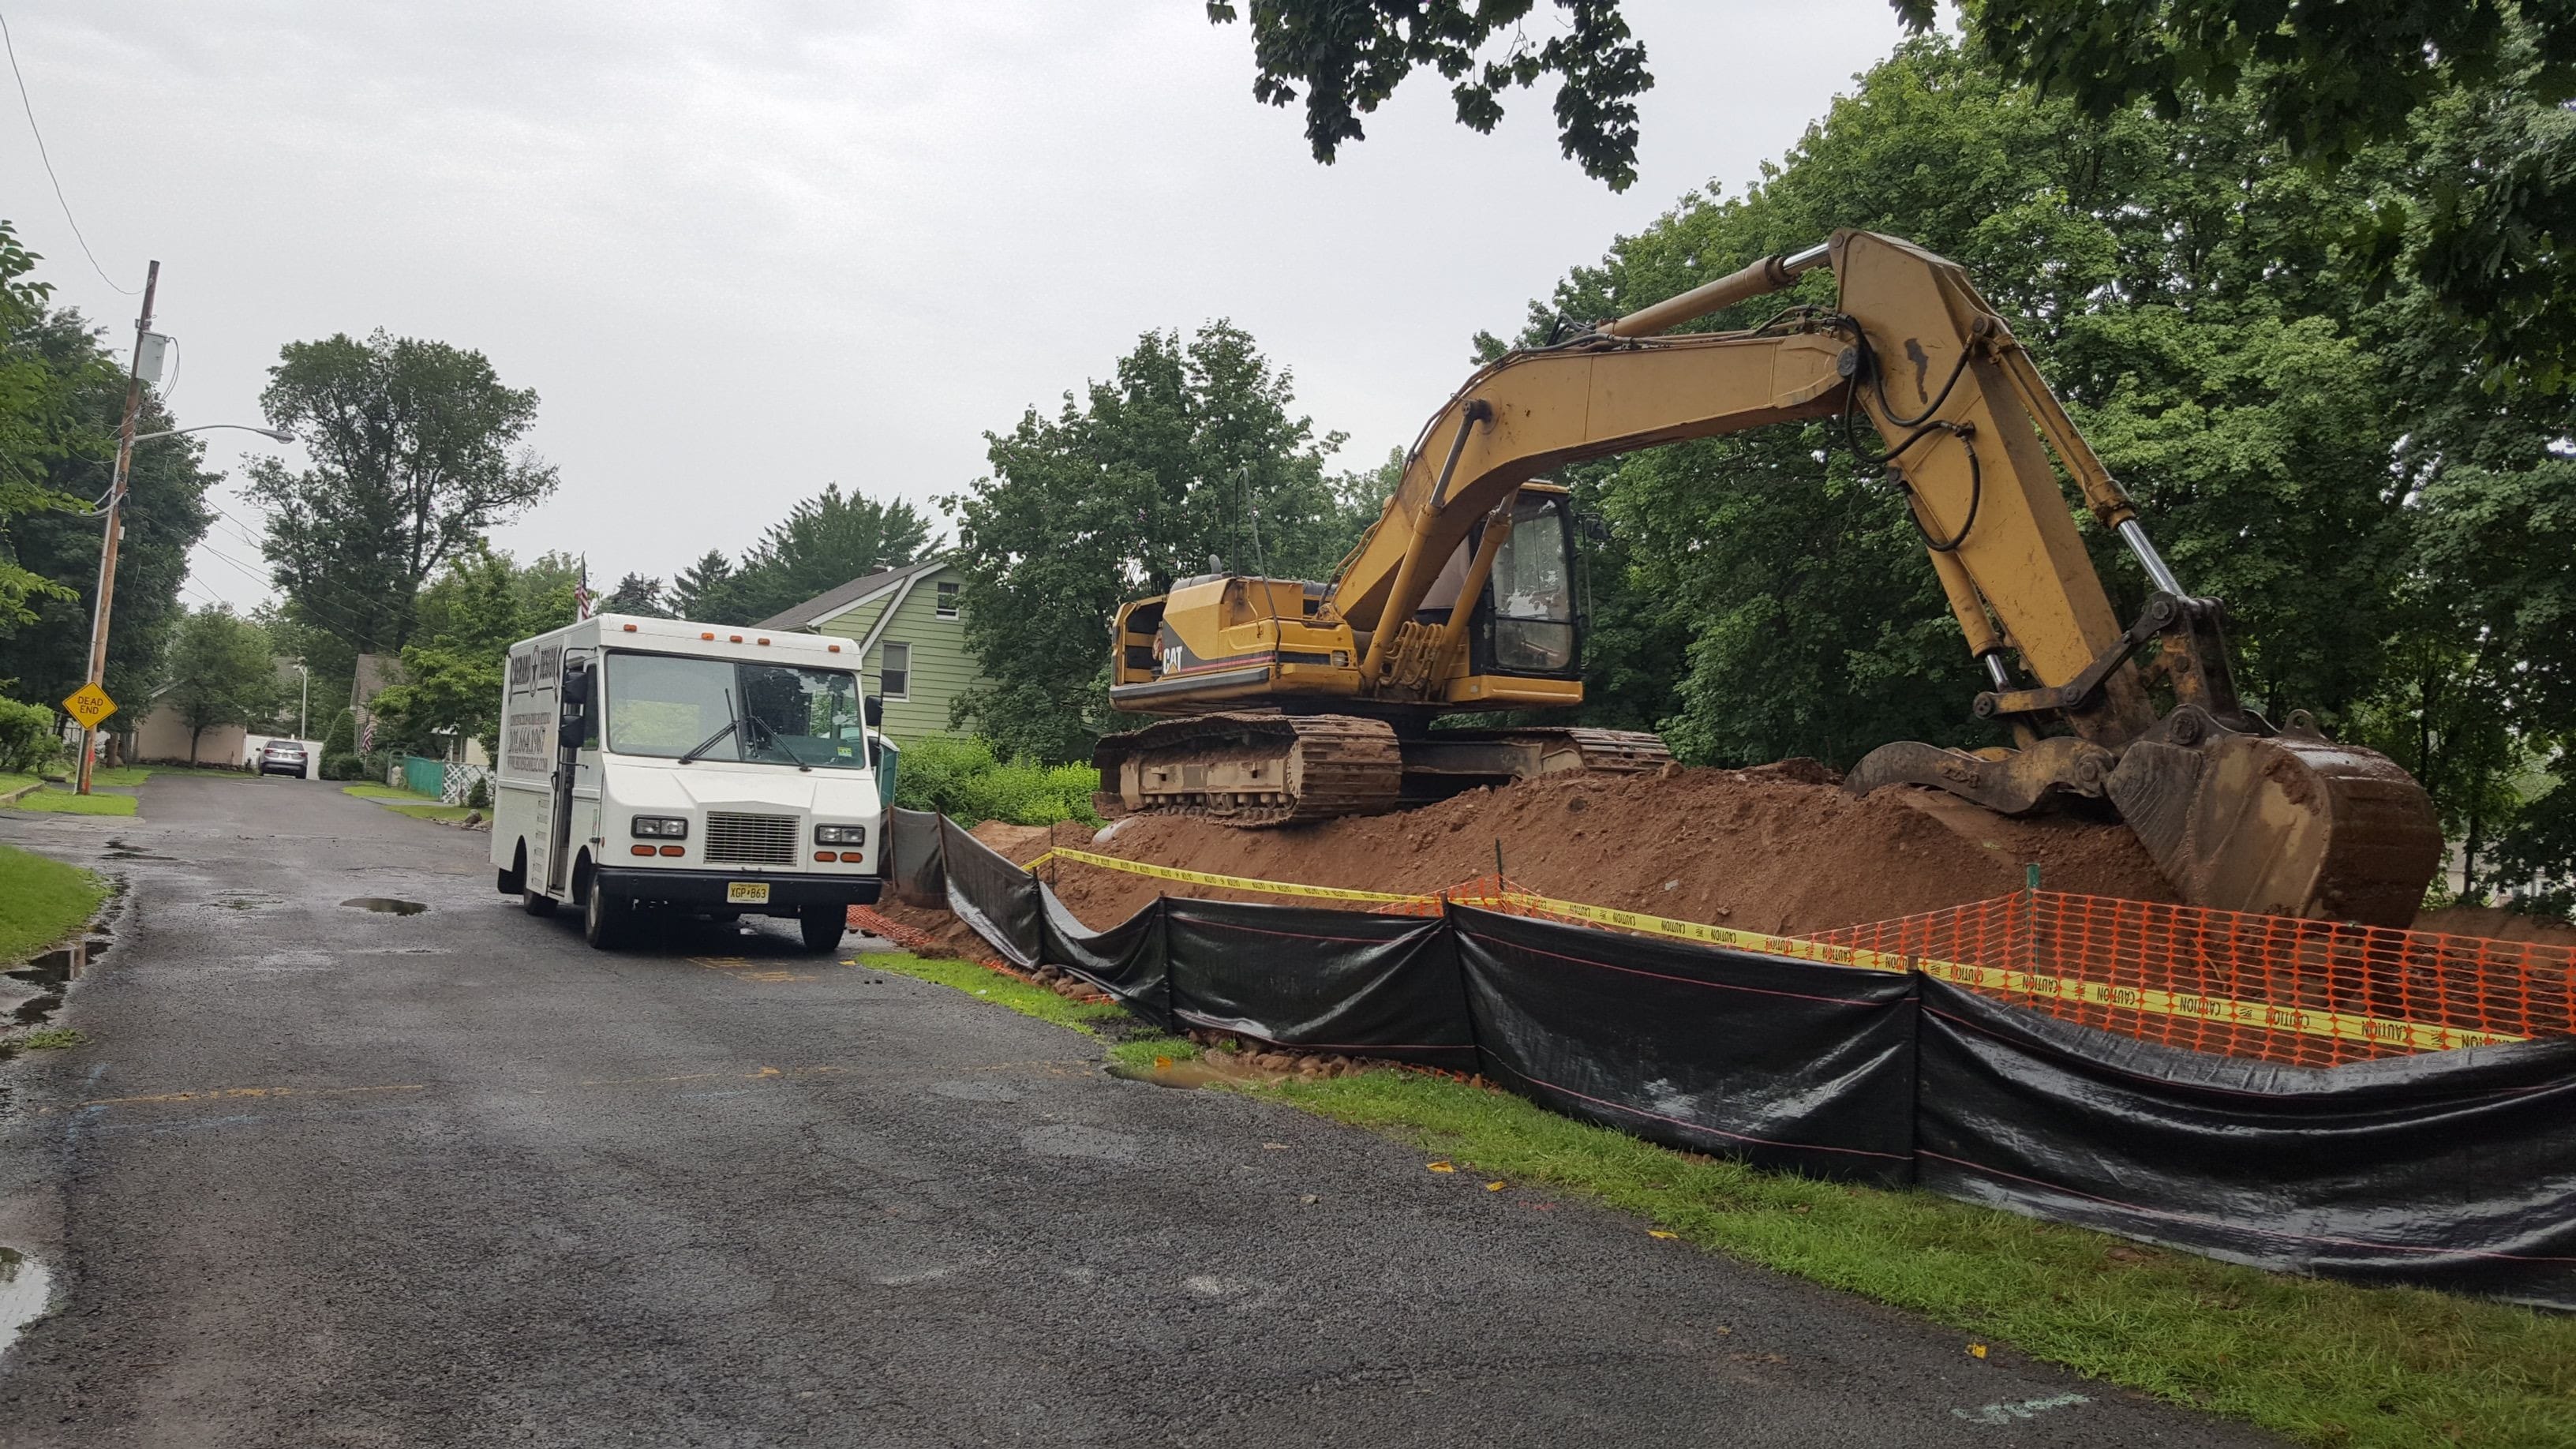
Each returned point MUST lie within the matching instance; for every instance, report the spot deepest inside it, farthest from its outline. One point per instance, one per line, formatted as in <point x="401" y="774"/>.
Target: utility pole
<point x="116" y="519"/>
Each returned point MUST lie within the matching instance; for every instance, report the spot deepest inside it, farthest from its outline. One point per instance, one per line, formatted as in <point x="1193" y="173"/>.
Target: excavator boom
<point x="1459" y="598"/>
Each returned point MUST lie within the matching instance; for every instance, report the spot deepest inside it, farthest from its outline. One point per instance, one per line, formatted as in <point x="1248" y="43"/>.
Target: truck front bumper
<point x="708" y="889"/>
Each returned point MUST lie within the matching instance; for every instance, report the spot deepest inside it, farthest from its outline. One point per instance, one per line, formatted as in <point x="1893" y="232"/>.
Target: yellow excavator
<point x="1297" y="701"/>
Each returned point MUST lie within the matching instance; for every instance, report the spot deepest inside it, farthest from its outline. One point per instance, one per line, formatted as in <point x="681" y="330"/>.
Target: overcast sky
<point x="745" y="249"/>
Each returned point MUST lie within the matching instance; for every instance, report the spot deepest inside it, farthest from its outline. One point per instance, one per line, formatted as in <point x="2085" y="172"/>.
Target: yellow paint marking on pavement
<point x="221" y="1094"/>
<point x="817" y="1071"/>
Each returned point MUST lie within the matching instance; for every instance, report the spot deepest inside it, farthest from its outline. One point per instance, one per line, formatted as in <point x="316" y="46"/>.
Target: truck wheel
<point x="822" y="927"/>
<point x="607" y="920"/>
<point x="536" y="902"/>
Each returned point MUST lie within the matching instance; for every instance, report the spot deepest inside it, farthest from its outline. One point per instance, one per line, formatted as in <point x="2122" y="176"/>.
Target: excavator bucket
<point x="2291" y="824"/>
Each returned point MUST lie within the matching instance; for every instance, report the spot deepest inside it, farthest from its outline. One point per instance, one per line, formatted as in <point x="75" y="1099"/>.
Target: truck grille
<point x="751" y="839"/>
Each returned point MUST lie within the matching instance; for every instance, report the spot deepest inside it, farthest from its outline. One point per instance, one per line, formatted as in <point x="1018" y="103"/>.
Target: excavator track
<point x="1255" y="769"/>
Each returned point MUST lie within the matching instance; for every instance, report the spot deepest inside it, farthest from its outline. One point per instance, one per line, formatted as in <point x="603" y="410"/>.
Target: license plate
<point x="746" y="893"/>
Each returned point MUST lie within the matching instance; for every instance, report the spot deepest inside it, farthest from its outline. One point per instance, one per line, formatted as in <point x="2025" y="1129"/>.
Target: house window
<point x="948" y="601"/>
<point x="895" y="671"/>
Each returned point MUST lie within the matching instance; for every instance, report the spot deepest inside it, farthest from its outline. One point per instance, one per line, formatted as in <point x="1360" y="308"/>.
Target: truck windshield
<point x="659" y="704"/>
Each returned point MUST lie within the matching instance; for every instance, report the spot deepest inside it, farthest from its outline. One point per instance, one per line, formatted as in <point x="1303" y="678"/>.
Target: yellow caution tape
<point x="1695" y="931"/>
<point x="2379" y="1030"/>
<point x="1223" y="882"/>
<point x="2271" y="1016"/>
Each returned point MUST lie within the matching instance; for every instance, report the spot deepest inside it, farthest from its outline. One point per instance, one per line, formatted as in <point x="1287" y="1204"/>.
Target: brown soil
<point x="2502" y="925"/>
<point x="1777" y="850"/>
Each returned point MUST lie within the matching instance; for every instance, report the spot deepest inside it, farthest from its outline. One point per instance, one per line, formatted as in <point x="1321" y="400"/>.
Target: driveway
<point x="334" y="1176"/>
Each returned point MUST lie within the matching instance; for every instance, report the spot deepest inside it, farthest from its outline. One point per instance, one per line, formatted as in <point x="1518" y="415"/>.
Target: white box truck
<point x="654" y="766"/>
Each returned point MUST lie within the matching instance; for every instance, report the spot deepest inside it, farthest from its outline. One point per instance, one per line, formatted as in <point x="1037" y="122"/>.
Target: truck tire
<point x="514" y="881"/>
<point x="536" y="902"/>
<point x="607" y="919"/>
<point x="822" y="927"/>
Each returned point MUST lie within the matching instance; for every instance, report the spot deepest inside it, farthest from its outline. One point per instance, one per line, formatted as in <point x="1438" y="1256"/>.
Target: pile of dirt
<point x="2495" y="922"/>
<point x="1778" y="850"/>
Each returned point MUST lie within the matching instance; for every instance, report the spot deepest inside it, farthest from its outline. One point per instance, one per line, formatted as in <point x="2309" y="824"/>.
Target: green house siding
<point x="941" y="667"/>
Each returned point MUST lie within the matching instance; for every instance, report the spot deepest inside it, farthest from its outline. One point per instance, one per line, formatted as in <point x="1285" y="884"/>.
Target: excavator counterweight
<point x="1296" y="701"/>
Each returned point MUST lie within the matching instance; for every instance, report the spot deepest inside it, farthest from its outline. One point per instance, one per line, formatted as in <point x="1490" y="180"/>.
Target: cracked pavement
<point x="327" y="1176"/>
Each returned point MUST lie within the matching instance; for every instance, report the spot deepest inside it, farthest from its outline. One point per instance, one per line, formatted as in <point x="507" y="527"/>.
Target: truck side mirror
<point x="573" y="731"/>
<point x="576" y="688"/>
<point x="872" y="710"/>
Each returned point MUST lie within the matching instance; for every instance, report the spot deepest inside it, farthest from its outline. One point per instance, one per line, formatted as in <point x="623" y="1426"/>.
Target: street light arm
<point x="279" y="434"/>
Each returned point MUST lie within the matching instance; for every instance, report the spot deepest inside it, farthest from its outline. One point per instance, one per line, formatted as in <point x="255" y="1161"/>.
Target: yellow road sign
<point x="89" y="704"/>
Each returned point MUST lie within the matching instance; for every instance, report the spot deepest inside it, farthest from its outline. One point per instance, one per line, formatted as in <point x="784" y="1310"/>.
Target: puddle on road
<point x="46" y="976"/>
<point x="25" y="1288"/>
<point x="386" y="904"/>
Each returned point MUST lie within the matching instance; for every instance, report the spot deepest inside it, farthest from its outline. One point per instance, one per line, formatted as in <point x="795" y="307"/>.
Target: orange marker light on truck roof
<point x="629" y="628"/>
<point x="735" y="638"/>
<point x="706" y="633"/>
<point x="832" y="648"/>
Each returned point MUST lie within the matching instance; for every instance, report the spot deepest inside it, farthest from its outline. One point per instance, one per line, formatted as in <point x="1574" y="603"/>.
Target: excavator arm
<point x="2237" y="813"/>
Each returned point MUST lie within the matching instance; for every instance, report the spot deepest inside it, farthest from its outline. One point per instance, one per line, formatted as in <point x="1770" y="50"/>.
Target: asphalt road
<point x="332" y="1177"/>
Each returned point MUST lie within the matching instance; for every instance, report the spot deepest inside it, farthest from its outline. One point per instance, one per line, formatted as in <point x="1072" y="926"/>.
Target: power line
<point x="9" y="42"/>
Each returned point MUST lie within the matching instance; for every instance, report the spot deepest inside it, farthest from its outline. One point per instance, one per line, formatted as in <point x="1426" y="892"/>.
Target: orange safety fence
<point x="2234" y="983"/>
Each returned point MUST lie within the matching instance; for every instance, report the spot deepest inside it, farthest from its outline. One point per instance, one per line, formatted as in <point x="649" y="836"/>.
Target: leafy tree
<point x="1349" y="57"/>
<point x="39" y="422"/>
<point x="221" y="672"/>
<point x="704" y="591"/>
<point x="824" y="542"/>
<point x="1145" y="479"/>
<point x="636" y="594"/>
<point x="416" y="450"/>
<point x="469" y="617"/>
<point x="61" y="397"/>
<point x="2290" y="436"/>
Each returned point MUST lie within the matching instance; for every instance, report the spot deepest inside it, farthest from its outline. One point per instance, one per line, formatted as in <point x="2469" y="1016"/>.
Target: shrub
<point x="961" y="778"/>
<point x="342" y="737"/>
<point x="478" y="796"/>
<point x="343" y="767"/>
<point x="28" y="744"/>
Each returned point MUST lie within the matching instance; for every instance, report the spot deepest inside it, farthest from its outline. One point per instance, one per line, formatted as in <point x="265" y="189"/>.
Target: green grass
<point x="62" y="800"/>
<point x="1138" y="1053"/>
<point x="2320" y="1361"/>
<point x="997" y="988"/>
<point x="125" y="776"/>
<point x="432" y="812"/>
<point x="12" y="784"/>
<point x="53" y="1038"/>
<point x="42" y="901"/>
<point x="406" y="802"/>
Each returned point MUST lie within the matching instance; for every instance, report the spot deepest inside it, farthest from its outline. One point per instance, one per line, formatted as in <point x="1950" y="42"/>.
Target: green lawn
<point x="126" y="776"/>
<point x="12" y="784"/>
<point x="63" y="800"/>
<point x="41" y="901"/>
<point x="406" y="802"/>
<point x="2320" y="1361"/>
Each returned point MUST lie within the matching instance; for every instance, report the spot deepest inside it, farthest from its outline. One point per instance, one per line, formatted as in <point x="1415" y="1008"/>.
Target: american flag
<point x="367" y="735"/>
<point x="581" y="592"/>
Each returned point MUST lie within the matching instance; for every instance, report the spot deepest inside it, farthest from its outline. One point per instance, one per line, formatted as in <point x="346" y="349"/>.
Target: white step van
<point x="652" y="766"/>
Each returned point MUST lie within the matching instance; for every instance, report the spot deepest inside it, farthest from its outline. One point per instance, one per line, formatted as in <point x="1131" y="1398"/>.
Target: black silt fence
<point x="2452" y="1170"/>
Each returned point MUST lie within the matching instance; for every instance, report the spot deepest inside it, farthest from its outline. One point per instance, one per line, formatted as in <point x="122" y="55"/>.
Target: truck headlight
<point x="660" y="827"/>
<point x="840" y="835"/>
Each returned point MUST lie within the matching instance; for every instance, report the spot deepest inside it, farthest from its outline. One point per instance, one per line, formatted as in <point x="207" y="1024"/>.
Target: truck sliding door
<point x="571" y="727"/>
